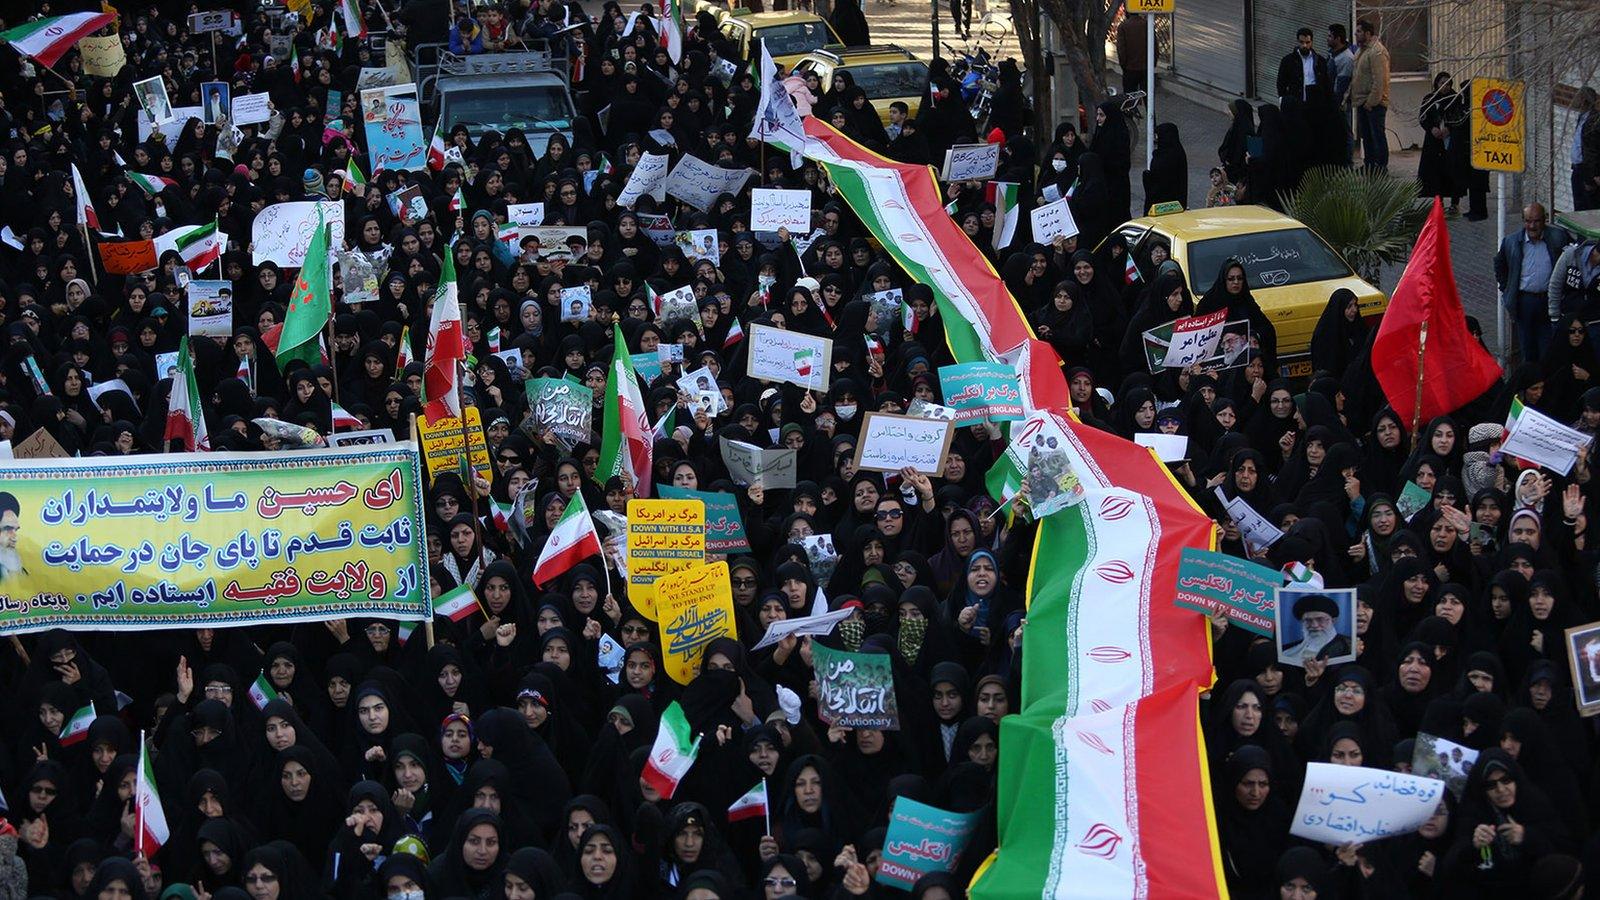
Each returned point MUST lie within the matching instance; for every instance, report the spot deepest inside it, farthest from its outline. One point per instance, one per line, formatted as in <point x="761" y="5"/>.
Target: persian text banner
<point x="211" y="539"/>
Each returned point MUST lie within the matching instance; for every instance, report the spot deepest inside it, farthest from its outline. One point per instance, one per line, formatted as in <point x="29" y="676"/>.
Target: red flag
<point x="1455" y="368"/>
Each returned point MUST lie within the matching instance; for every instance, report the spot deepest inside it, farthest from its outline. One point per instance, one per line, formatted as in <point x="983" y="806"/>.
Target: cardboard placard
<point x="889" y="443"/>
<point x="664" y="536"/>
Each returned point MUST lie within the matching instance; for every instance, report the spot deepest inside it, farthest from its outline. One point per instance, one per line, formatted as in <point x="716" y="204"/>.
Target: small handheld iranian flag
<point x="1298" y="574"/>
<point x="344" y="418"/>
<point x="571" y="541"/>
<point x="735" y="335"/>
<point x="1003" y="194"/>
<point x="152" y="831"/>
<point x="456" y="604"/>
<point x="261" y="692"/>
<point x="501" y="513"/>
<point x="150" y="184"/>
<point x="908" y="318"/>
<point x="353" y="173"/>
<point x="1130" y="271"/>
<point x="77" y="727"/>
<point x="673" y="753"/>
<point x="753" y="803"/>
<point x="186" y="420"/>
<point x="403" y="358"/>
<point x="200" y="246"/>
<point x="436" y="147"/>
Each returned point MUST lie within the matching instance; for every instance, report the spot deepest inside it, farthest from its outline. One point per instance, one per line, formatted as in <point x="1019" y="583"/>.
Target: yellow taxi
<point x="1292" y="271"/>
<point x="789" y="35"/>
<point x="886" y="72"/>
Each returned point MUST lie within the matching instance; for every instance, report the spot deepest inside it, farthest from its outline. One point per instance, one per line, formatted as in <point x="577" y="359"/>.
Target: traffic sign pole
<point x="1149" y="89"/>
<point x="1500" y="238"/>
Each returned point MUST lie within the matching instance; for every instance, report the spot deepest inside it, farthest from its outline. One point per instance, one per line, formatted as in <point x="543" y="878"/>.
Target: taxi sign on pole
<point x="1498" y="125"/>
<point x="1151" y="6"/>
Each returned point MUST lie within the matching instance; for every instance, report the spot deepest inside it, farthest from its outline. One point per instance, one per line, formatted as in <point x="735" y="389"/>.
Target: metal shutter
<point x="1208" y="43"/>
<point x="1275" y="22"/>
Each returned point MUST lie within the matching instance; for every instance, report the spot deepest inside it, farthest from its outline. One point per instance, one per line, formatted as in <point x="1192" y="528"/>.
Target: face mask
<point x="846" y="412"/>
<point x="407" y="895"/>
<point x="1060" y="165"/>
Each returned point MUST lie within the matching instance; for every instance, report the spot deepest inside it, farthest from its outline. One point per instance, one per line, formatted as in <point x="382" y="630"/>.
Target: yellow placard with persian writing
<point x="694" y="607"/>
<point x="103" y="56"/>
<point x="443" y="444"/>
<point x="664" y="536"/>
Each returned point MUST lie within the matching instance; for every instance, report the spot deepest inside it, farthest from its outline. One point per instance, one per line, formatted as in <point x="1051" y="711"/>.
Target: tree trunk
<point x="1025" y="18"/>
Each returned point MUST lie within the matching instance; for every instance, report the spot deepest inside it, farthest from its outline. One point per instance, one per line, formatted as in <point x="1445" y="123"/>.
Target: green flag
<point x="310" y="304"/>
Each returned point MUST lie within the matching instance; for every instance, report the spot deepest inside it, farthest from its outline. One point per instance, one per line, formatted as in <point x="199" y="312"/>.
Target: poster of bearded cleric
<point x="1315" y="623"/>
<point x="211" y="539"/>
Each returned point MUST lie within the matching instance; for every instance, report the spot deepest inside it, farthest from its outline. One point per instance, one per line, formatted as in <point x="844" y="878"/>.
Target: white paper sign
<point x="816" y="626"/>
<point x="202" y="22"/>
<point x="115" y="384"/>
<point x="970" y="162"/>
<point x="1053" y="219"/>
<point x="1170" y="447"/>
<point x="1254" y="529"/>
<point x="792" y="356"/>
<point x="172" y="129"/>
<point x="282" y="231"/>
<point x="1540" y="439"/>
<point x="1355" y="804"/>
<point x="702" y="385"/>
<point x="248" y="109"/>
<point x="701" y="243"/>
<point x="889" y="443"/>
<point x="575" y="303"/>
<point x="773" y="208"/>
<point x="648" y="177"/>
<point x="525" y="213"/>
<point x="698" y="183"/>
<point x="749" y="464"/>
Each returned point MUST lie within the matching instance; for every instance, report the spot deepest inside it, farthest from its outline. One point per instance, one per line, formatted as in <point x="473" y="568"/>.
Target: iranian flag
<point x="447" y="348"/>
<point x="201" y="245"/>
<point x="150" y="184"/>
<point x="152" y="831"/>
<point x="669" y="423"/>
<point x="1003" y="194"/>
<point x="501" y="513"/>
<point x="1130" y="270"/>
<point x="86" y="214"/>
<point x="354" y="24"/>
<point x="261" y="692"/>
<point x="77" y="727"/>
<point x="436" y="147"/>
<point x="735" y="335"/>
<point x="753" y="803"/>
<point x="673" y="753"/>
<point x="352" y="172"/>
<point x="294" y="63"/>
<point x="908" y="318"/>
<point x="458" y="201"/>
<point x="186" y="421"/>
<point x="343" y="418"/>
<point x="310" y="303"/>
<point x="625" y="444"/>
<point x="47" y="40"/>
<point x="672" y="30"/>
<point x="572" y="541"/>
<point x="403" y="358"/>
<point x="456" y="604"/>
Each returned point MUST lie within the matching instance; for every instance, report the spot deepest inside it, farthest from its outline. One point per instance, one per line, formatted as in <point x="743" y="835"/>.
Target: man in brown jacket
<point x="1131" y="53"/>
<point x="1369" y="96"/>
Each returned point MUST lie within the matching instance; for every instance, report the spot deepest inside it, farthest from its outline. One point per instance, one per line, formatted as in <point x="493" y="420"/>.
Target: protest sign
<point x="443" y="444"/>
<point x="1246" y="592"/>
<point x="922" y="409"/>
<point x="216" y="101"/>
<point x="39" y="445"/>
<point x="647" y="365"/>
<point x="1354" y="804"/>
<point x="1434" y="757"/>
<point x="669" y="353"/>
<point x="1541" y="440"/>
<point x="1315" y="623"/>
<point x="1254" y="529"/>
<point x="922" y="839"/>
<point x="575" y="304"/>
<point x="815" y="626"/>
<point x="393" y="120"/>
<point x="648" y="177"/>
<point x="152" y="96"/>
<point x="103" y="55"/>
<point x="1168" y="447"/>
<point x="555" y="240"/>
<point x="821" y="555"/>
<point x="1583" y="657"/>
<point x="282" y="231"/>
<point x="792" y="356"/>
<point x="679" y="303"/>
<point x="371" y="77"/>
<point x="889" y="443"/>
<point x="724" y="526"/>
<point x="698" y="183"/>
<point x="749" y="464"/>
<point x="981" y="392"/>
<point x="368" y="438"/>
<point x="1413" y="497"/>
<point x="210" y="308"/>
<point x="358" y="275"/>
<point x="855" y="690"/>
<point x="664" y="536"/>
<point x="216" y="20"/>
<point x="659" y="228"/>
<point x="170" y="130"/>
<point x="1184" y="342"/>
<point x="774" y="208"/>
<point x="885" y="308"/>
<point x="127" y="257"/>
<point x="531" y="214"/>
<point x="969" y="162"/>
<point x="701" y="388"/>
<point x="609" y="656"/>
<point x="251" y="109"/>
<point x="214" y="539"/>
<point x="563" y="407"/>
<point x="701" y="243"/>
<point x="1053" y="219"/>
<point x="694" y="607"/>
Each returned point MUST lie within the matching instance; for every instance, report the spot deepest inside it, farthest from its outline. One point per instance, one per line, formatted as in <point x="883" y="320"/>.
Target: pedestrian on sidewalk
<point x="1369" y="95"/>
<point x="1522" y="269"/>
<point x="1131" y="54"/>
<point x="1586" y="151"/>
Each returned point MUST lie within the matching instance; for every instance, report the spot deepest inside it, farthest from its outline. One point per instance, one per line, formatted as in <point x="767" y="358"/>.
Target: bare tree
<point x="1082" y="26"/>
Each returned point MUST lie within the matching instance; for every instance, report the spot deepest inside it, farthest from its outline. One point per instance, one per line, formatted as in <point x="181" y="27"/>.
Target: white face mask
<point x="407" y="895"/>
<point x="846" y="412"/>
<point x="1060" y="165"/>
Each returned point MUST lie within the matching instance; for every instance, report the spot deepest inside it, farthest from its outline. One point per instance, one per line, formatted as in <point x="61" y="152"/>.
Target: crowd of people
<point x="503" y="760"/>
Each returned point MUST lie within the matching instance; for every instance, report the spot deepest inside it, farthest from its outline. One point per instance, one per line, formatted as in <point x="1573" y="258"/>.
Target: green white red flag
<point x="571" y="541"/>
<point x="47" y="40"/>
<point x="673" y="753"/>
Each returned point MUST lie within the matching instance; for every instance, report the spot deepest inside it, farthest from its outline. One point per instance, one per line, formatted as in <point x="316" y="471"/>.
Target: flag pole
<point x="88" y="246"/>
<point x="1416" y="412"/>
<point x="138" y="808"/>
<point x="427" y="627"/>
<point x="766" y="806"/>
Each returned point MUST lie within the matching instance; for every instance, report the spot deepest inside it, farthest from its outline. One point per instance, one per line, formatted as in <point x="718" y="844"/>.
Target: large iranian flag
<point x="626" y="444"/>
<point x="47" y="40"/>
<point x="1103" y="788"/>
<point x="570" y="542"/>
